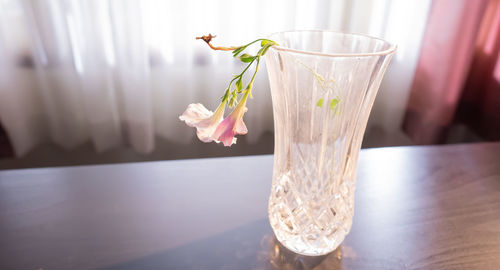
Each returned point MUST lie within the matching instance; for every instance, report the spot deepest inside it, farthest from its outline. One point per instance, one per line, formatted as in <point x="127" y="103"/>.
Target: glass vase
<point x="323" y="85"/>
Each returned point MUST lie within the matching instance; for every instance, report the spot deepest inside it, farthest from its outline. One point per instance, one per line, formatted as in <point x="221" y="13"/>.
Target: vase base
<point x="301" y="248"/>
<point x="311" y="225"/>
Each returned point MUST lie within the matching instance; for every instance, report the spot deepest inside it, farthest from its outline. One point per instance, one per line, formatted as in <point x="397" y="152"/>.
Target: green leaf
<point x="238" y="51"/>
<point x="238" y="85"/>
<point x="333" y="103"/>
<point x="246" y="58"/>
<point x="320" y="102"/>
<point x="265" y="42"/>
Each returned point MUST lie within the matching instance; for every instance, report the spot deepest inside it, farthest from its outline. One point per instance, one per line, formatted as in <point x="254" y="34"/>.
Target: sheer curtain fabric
<point x="119" y="72"/>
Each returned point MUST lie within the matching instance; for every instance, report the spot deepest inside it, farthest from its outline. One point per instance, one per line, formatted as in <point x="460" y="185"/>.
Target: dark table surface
<point x="434" y="207"/>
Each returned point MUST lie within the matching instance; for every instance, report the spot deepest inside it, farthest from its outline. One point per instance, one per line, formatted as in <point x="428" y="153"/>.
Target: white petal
<point x="205" y="134"/>
<point x="195" y="113"/>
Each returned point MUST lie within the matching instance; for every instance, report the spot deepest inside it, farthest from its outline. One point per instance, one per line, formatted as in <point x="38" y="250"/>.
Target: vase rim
<point x="392" y="47"/>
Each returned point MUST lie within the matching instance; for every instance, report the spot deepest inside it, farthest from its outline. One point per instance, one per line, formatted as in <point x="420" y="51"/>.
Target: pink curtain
<point x="480" y="104"/>
<point x="447" y="51"/>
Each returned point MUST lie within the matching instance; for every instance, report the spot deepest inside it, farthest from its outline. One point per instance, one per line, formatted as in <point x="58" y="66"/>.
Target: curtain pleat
<point x="479" y="106"/>
<point x="444" y="63"/>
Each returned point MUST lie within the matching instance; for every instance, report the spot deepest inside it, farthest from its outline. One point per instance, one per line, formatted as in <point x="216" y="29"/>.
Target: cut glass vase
<point x="323" y="85"/>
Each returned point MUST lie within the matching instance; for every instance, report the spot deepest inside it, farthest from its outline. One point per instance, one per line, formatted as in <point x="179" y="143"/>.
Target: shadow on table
<point x="252" y="246"/>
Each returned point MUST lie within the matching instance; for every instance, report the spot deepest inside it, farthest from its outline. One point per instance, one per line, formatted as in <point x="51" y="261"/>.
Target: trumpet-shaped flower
<point x="210" y="126"/>
<point x="204" y="120"/>
<point x="232" y="125"/>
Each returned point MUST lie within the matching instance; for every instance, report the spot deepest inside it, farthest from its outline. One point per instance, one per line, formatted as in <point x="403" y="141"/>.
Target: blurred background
<point x="104" y="81"/>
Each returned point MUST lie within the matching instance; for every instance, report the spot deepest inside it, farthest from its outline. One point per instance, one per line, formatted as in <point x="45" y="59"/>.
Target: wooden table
<point x="416" y="208"/>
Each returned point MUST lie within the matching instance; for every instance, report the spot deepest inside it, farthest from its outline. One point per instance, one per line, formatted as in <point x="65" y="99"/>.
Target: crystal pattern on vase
<point x="323" y="85"/>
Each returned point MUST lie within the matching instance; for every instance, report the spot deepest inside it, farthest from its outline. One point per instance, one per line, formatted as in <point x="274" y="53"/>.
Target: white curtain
<point x="121" y="71"/>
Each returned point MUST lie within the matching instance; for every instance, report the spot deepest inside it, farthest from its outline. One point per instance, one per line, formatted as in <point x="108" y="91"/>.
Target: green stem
<point x="256" y="69"/>
<point x="260" y="39"/>
<point x="244" y="98"/>
<point x="253" y="77"/>
<point x="228" y="91"/>
<point x="226" y="94"/>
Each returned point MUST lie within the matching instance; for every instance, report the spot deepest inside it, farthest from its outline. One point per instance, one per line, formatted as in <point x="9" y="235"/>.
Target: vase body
<point x="323" y="85"/>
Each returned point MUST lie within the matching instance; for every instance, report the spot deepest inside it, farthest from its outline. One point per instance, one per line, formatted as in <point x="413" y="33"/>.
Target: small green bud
<point x="232" y="101"/>
<point x="238" y="85"/>
<point x="238" y="51"/>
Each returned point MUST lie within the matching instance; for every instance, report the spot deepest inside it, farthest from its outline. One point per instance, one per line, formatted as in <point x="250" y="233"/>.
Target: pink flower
<point x="205" y="121"/>
<point x="232" y="125"/>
